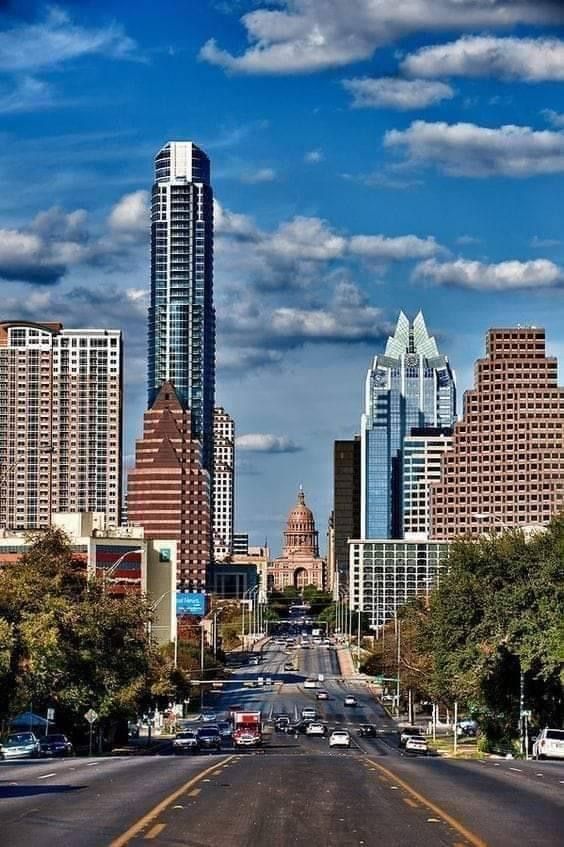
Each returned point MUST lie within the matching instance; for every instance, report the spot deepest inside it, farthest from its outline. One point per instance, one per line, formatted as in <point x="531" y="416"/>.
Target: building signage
<point x="190" y="603"/>
<point x="164" y="554"/>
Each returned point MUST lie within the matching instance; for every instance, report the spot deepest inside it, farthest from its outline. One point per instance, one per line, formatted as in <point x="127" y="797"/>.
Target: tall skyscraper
<point x="410" y="386"/>
<point x="223" y="483"/>
<point x="422" y="457"/>
<point x="181" y="314"/>
<point x="346" y="501"/>
<point x="60" y="422"/>
<point x="168" y="489"/>
<point x="506" y="467"/>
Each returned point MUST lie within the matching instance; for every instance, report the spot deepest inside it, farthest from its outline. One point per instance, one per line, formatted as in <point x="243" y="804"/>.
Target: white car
<point x="310" y="683"/>
<point x="315" y="729"/>
<point x="309" y="714"/>
<point x="350" y="700"/>
<point x="340" y="738"/>
<point x="416" y="744"/>
<point x="322" y="694"/>
<point x="549" y="744"/>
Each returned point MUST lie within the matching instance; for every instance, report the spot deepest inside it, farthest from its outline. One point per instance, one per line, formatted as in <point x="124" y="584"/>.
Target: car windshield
<point x="207" y="733"/>
<point x="185" y="735"/>
<point x="555" y="734"/>
<point x="49" y="739"/>
<point x="20" y="738"/>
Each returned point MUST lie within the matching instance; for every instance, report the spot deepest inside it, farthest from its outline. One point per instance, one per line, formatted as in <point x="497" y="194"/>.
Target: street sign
<point x="91" y="716"/>
<point x="50" y="714"/>
<point x="526" y="713"/>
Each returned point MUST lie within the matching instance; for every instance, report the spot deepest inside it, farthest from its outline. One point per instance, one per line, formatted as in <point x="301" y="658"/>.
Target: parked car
<point x="416" y="744"/>
<point x="322" y="694"/>
<point x="367" y="730"/>
<point x="55" y="744"/>
<point x="549" y="744"/>
<point x="468" y="728"/>
<point x="209" y="738"/>
<point x="20" y="745"/>
<point x="185" y="742"/>
<point x="407" y="732"/>
<point x="350" y="700"/>
<point x="316" y="729"/>
<point x="340" y="738"/>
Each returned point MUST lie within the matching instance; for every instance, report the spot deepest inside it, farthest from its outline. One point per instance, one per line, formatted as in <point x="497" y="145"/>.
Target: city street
<point x="293" y="791"/>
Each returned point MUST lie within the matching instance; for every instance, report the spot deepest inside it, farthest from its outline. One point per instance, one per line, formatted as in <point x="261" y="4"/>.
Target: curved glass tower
<point x="410" y="387"/>
<point x="181" y="314"/>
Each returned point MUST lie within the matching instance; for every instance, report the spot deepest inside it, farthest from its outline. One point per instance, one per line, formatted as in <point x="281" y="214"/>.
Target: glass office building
<point x="411" y="386"/>
<point x="181" y="313"/>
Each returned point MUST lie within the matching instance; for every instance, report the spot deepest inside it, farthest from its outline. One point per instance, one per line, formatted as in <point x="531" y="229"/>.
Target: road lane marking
<point x="154" y="831"/>
<point x="134" y="830"/>
<point x="92" y="764"/>
<point x="517" y="770"/>
<point x="474" y="840"/>
<point x="47" y="775"/>
<point x="194" y="792"/>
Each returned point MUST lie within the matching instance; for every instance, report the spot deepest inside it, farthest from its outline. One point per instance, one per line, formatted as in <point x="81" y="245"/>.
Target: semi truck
<point x="247" y="729"/>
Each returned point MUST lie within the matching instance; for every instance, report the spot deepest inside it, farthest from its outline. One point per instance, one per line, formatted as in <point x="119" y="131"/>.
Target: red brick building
<point x="169" y="491"/>
<point x="506" y="466"/>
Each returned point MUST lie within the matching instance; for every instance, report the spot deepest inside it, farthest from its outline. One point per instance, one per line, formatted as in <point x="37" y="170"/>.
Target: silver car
<point x="20" y="745"/>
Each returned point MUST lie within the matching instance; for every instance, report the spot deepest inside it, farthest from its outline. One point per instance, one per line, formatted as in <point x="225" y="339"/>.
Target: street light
<point x="107" y="572"/>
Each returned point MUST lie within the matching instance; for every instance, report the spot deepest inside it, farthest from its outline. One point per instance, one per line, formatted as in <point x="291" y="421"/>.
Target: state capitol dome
<point x="300" y="529"/>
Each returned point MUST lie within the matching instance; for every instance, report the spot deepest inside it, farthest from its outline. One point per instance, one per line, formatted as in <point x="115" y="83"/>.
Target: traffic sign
<point x="91" y="716"/>
<point x="50" y="714"/>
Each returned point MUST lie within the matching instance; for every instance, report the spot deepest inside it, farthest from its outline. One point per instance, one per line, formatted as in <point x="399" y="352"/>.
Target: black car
<point x="367" y="730"/>
<point x="282" y="723"/>
<point x="209" y="738"/>
<point x="55" y="745"/>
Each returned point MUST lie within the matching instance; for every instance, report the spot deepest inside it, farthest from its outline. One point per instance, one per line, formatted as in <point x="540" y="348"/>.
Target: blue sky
<point x="367" y="157"/>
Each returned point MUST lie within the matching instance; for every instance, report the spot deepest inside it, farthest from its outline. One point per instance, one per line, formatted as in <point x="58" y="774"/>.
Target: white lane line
<point x="539" y="774"/>
<point x="47" y="775"/>
<point x="91" y="764"/>
<point x="517" y="770"/>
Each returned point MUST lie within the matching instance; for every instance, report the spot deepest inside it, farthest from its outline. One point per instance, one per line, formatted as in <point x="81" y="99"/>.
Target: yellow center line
<point x="155" y="830"/>
<point x="473" y="839"/>
<point x="143" y="822"/>
<point x="411" y="802"/>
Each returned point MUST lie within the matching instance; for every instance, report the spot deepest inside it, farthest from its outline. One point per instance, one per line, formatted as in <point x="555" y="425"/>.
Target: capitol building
<point x="300" y="563"/>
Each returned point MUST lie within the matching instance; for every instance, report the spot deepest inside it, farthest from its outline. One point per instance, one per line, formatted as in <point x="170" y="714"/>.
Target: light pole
<point x="151" y="627"/>
<point x="107" y="572"/>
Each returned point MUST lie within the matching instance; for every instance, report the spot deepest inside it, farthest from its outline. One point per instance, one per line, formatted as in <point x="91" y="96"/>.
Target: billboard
<point x="190" y="603"/>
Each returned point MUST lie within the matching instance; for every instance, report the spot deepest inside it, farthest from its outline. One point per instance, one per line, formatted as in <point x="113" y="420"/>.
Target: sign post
<point x="90" y="716"/>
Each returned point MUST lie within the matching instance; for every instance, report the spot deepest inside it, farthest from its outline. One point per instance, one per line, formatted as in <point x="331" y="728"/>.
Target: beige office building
<point x="60" y="422"/>
<point x="506" y="465"/>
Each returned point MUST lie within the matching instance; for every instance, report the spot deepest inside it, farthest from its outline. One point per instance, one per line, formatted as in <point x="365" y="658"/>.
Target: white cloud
<point x="468" y="239"/>
<point x="393" y="93"/>
<point x="314" y="157"/>
<point x="555" y="119"/>
<point x="130" y="216"/>
<point x="258" y="176"/>
<point x="542" y="243"/>
<point x="465" y="149"/>
<point x="263" y="442"/>
<point x="396" y="249"/>
<point x="529" y="59"/>
<point x="55" y="40"/>
<point x="304" y="36"/>
<point x="27" y="95"/>
<point x="503" y="276"/>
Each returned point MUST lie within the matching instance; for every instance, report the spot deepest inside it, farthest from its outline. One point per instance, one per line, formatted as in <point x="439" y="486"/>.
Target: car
<point x="268" y="680"/>
<point x="310" y="683"/>
<point x="132" y="730"/>
<point x="289" y="666"/>
<point x="340" y="738"/>
<point x="309" y="714"/>
<point x="406" y="733"/>
<point x="225" y="730"/>
<point x="350" y="701"/>
<point x="322" y="694"/>
<point x="367" y="730"/>
<point x="549" y="744"/>
<point x="468" y="728"/>
<point x="20" y="745"/>
<point x="282" y="723"/>
<point x="55" y="744"/>
<point x="315" y="728"/>
<point x="209" y="717"/>
<point x="416" y="744"/>
<point x="254" y="660"/>
<point x="209" y="738"/>
<point x="185" y="742"/>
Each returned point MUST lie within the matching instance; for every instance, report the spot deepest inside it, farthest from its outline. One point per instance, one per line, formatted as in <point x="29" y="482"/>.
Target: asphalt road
<point x="294" y="792"/>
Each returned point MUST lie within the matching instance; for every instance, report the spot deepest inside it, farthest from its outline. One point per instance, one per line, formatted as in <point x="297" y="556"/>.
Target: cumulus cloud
<point x="265" y="442"/>
<point x="555" y="119"/>
<point x="304" y="36"/>
<point x="503" y="276"/>
<point x="56" y="241"/>
<point x="130" y="215"/>
<point x="393" y="249"/>
<point x="528" y="59"/>
<point x="394" y="93"/>
<point x="56" y="39"/>
<point x="465" y="149"/>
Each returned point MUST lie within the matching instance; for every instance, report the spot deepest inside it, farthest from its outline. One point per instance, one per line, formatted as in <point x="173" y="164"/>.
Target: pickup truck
<point x="247" y="729"/>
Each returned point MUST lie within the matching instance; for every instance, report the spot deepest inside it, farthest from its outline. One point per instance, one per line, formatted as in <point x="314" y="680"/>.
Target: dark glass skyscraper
<point x="181" y="314"/>
<point x="411" y="386"/>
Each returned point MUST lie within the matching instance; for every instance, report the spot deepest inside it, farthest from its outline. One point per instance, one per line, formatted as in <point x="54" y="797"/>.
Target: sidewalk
<point x="346" y="664"/>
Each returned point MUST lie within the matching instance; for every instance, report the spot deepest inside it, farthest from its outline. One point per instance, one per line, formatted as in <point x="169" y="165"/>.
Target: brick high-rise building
<point x="506" y="466"/>
<point x="60" y="422"/>
<point x="169" y="490"/>
<point x="223" y="483"/>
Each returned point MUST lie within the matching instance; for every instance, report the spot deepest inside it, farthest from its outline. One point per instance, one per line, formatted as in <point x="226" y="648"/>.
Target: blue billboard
<point x="190" y="603"/>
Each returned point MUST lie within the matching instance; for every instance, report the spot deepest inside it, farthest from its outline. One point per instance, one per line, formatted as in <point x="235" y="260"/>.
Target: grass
<point x="467" y="748"/>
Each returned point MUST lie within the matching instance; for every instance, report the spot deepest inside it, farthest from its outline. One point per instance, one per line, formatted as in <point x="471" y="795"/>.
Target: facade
<point x="258" y="558"/>
<point x="181" y="314"/>
<point x="60" y="422"/>
<point x="346" y="502"/>
<point x="300" y="563"/>
<point x="223" y="484"/>
<point x="506" y="466"/>
<point x="410" y="386"/>
<point x="422" y="456"/>
<point x="169" y="490"/>
<point x="386" y="574"/>
<point x="240" y="543"/>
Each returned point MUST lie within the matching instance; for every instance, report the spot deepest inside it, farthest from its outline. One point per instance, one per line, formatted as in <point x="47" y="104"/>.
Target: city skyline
<point x="399" y="176"/>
